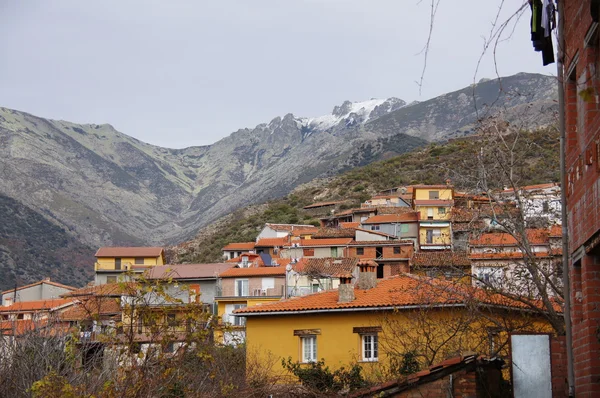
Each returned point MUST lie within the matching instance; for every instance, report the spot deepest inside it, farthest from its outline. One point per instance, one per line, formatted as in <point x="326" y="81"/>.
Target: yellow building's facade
<point x="376" y="328"/>
<point x="434" y="204"/>
<point x="112" y="262"/>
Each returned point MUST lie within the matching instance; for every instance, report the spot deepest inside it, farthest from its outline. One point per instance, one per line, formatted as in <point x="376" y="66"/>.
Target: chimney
<point x="367" y="274"/>
<point x="346" y="289"/>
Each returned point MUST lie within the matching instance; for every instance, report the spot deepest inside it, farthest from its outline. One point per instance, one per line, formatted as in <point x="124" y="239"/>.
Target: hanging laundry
<point x="548" y="17"/>
<point x="542" y="42"/>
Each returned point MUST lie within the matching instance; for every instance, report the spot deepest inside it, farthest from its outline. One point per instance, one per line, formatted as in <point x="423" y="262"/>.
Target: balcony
<point x="230" y="291"/>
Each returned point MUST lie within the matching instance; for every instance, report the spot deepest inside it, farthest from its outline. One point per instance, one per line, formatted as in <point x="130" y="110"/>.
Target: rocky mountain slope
<point x="536" y="160"/>
<point x="103" y="187"/>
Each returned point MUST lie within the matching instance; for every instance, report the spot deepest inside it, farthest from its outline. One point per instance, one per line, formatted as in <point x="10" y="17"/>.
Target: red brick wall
<point x="464" y="385"/>
<point x="388" y="252"/>
<point x="583" y="192"/>
<point x="255" y="282"/>
<point x="558" y="360"/>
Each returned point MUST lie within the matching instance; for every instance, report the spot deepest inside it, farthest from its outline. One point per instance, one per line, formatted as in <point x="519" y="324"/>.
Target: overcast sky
<point x="181" y="73"/>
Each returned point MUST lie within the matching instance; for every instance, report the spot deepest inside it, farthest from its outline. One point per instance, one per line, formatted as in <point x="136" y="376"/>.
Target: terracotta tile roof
<point x="433" y="202"/>
<point x="329" y="266"/>
<point x="273" y="242"/>
<point x="534" y="236"/>
<point x="506" y="256"/>
<point x="23" y="326"/>
<point x="394" y="210"/>
<point x="304" y="231"/>
<point x="325" y="233"/>
<point x="253" y="271"/>
<point x="439" y="186"/>
<point x="535" y="187"/>
<point x="429" y="375"/>
<point x="556" y="231"/>
<point x="325" y="242"/>
<point x="286" y="227"/>
<point x="187" y="271"/>
<point x="92" y="309"/>
<point x="441" y="259"/>
<point x="349" y="225"/>
<point x="322" y="204"/>
<point x="413" y="216"/>
<point x="380" y="242"/>
<point x="130" y="252"/>
<point x="404" y="290"/>
<point x="46" y="281"/>
<point x="37" y="305"/>
<point x="253" y="258"/>
<point x="239" y="246"/>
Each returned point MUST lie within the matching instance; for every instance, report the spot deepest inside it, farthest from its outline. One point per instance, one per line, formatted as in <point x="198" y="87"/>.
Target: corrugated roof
<point x="253" y="271"/>
<point x="403" y="290"/>
<point x="441" y="259"/>
<point x="239" y="246"/>
<point x="328" y="266"/>
<point x="413" y="216"/>
<point x="129" y="252"/>
<point x="37" y="305"/>
<point x="188" y="271"/>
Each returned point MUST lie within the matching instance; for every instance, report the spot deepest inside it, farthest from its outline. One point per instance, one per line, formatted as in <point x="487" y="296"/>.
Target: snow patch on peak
<point x="358" y="111"/>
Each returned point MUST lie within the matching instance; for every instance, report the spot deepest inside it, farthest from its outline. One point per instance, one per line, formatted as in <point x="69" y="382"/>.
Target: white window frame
<point x="370" y="347"/>
<point x="239" y="320"/>
<point x="309" y="348"/>
<point x="246" y="290"/>
<point x="430" y="212"/>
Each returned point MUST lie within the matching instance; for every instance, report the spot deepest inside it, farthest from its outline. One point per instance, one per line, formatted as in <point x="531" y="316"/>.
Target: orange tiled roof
<point x="534" y="236"/>
<point x="380" y="242"/>
<point x="239" y="246"/>
<point x="394" y="210"/>
<point x="556" y="231"/>
<point x="325" y="242"/>
<point x="441" y="259"/>
<point x="404" y="290"/>
<point x="392" y="218"/>
<point x="47" y="281"/>
<point x="349" y="225"/>
<point x="272" y="242"/>
<point x="439" y="186"/>
<point x="92" y="309"/>
<point x="433" y="202"/>
<point x="130" y="252"/>
<point x="505" y="256"/>
<point x="286" y="227"/>
<point x="304" y="231"/>
<point x="328" y="266"/>
<point x="253" y="271"/>
<point x="325" y="233"/>
<point x="22" y="326"/>
<point x="37" y="305"/>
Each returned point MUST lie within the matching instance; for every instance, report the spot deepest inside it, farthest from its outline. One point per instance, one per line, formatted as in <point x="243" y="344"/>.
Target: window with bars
<point x="309" y="348"/>
<point x="370" y="347"/>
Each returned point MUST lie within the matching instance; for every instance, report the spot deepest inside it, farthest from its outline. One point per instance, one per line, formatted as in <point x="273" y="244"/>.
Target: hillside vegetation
<point x="537" y="159"/>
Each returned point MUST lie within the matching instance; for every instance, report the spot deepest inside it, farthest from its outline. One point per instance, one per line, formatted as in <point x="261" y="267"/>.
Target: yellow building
<point x="375" y="323"/>
<point x="434" y="204"/>
<point x="113" y="262"/>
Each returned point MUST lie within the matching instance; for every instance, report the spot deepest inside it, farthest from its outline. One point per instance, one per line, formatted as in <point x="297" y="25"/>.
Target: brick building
<point x="582" y="117"/>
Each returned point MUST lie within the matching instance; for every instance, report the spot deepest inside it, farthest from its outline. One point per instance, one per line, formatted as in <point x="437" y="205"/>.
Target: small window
<point x="241" y="287"/>
<point x="370" y="347"/>
<point x="315" y="288"/>
<point x="360" y="251"/>
<point x="334" y="252"/>
<point x="136" y="348"/>
<point x="139" y="261"/>
<point x="309" y="348"/>
<point x="434" y="195"/>
<point x="545" y="206"/>
<point x="111" y="279"/>
<point x="430" y="213"/>
<point x="169" y="348"/>
<point x="375" y="227"/>
<point x="245" y="261"/>
<point x="404" y="228"/>
<point x="441" y="210"/>
<point x="118" y="263"/>
<point x="397" y="250"/>
<point x="239" y="320"/>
